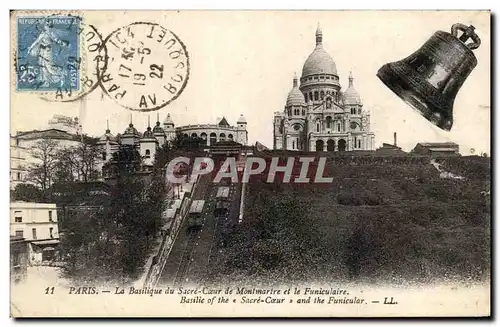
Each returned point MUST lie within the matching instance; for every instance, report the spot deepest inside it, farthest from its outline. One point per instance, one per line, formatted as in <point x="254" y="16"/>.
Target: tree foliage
<point x="114" y="241"/>
<point x="27" y="192"/>
<point x="424" y="232"/>
<point x="54" y="163"/>
<point x="41" y="171"/>
<point x="186" y="142"/>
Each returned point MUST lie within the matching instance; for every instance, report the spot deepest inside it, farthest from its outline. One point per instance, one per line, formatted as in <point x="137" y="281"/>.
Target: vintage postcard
<point x="250" y="163"/>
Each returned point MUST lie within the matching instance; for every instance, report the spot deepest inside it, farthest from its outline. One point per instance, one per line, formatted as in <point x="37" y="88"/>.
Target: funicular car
<point x="195" y="218"/>
<point x="222" y="201"/>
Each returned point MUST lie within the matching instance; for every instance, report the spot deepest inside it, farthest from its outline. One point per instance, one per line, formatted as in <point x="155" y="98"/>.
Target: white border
<point x="213" y="5"/>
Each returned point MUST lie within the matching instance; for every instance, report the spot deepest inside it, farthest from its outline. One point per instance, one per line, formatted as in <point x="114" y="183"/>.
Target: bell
<point x="430" y="78"/>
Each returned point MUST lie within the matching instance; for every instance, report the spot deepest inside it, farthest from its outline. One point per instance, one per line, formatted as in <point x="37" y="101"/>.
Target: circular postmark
<point x="59" y="57"/>
<point x="147" y="66"/>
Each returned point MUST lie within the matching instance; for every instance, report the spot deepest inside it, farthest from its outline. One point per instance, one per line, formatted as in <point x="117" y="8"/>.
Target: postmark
<point x="58" y="56"/>
<point x="148" y="66"/>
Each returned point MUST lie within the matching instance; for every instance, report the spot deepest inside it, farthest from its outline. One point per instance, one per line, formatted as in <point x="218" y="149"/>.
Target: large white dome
<point x="319" y="61"/>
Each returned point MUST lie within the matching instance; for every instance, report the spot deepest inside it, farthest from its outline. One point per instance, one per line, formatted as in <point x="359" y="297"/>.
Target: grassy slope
<point x="381" y="220"/>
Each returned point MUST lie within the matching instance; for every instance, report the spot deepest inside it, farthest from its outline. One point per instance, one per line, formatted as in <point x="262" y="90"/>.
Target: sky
<point x="243" y="62"/>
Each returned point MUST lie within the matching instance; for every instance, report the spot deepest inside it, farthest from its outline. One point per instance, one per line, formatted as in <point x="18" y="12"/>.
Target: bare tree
<point x="66" y="166"/>
<point x="42" y="172"/>
<point x="86" y="154"/>
<point x="63" y="164"/>
<point x="77" y="163"/>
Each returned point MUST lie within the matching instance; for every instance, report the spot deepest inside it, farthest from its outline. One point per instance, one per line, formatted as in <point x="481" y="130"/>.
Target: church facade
<point x="318" y="116"/>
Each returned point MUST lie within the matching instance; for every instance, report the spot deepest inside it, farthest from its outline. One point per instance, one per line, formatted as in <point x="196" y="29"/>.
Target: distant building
<point x="436" y="149"/>
<point x="220" y="132"/>
<point x="37" y="224"/>
<point x="147" y="143"/>
<point x="226" y="148"/>
<point x="66" y="131"/>
<point x="17" y="162"/>
<point x="389" y="149"/>
<point x="19" y="259"/>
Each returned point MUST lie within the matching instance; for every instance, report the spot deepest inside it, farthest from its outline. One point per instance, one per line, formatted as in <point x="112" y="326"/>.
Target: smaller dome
<point x="295" y="96"/>
<point x="107" y="137"/>
<point x="148" y="134"/>
<point x="351" y="96"/>
<point x="241" y="120"/>
<point x="168" y="120"/>
<point x="131" y="130"/>
<point x="157" y="129"/>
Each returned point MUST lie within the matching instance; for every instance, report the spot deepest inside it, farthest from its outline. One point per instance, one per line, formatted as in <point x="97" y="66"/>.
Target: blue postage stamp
<point x="48" y="53"/>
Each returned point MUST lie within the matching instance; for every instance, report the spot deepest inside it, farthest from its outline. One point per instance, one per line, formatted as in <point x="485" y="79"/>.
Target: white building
<point x="147" y="143"/>
<point x="17" y="162"/>
<point x="66" y="131"/>
<point x="37" y="224"/>
<point x="318" y="115"/>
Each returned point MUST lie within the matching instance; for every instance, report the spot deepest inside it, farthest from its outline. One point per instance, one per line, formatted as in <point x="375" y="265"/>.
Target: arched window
<point x="359" y="111"/>
<point x="305" y="97"/>
<point x="289" y="112"/>
<point x="328" y="103"/>
<point x="320" y="145"/>
<point x="355" y="142"/>
<point x="322" y="95"/>
<point x="316" y="96"/>
<point x="330" y="145"/>
<point x="303" y="112"/>
<point x="148" y="153"/>
<point x="230" y="137"/>
<point x="204" y="138"/>
<point x="194" y="135"/>
<point x="213" y="138"/>
<point x="293" y="145"/>
<point x="338" y="127"/>
<point x="359" y="143"/>
<point x="222" y="137"/>
<point x="328" y="122"/>
<point x="317" y="127"/>
<point x="342" y="145"/>
<point x="310" y="96"/>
